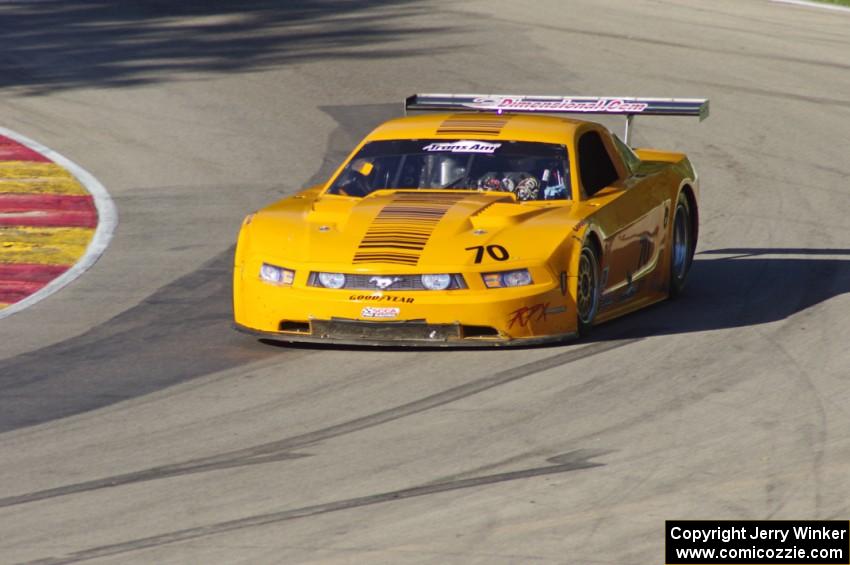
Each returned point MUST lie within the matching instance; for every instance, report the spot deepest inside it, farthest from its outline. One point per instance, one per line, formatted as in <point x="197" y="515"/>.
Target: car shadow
<point x="745" y="287"/>
<point x="738" y="287"/>
<point x="184" y="329"/>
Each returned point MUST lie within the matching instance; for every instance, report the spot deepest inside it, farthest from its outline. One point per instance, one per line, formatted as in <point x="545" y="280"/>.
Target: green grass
<point x="839" y="2"/>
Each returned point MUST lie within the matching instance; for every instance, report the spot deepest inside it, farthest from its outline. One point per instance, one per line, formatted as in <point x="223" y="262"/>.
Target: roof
<point x="476" y="125"/>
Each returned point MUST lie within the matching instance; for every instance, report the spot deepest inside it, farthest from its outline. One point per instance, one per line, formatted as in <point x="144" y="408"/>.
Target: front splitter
<point x="407" y="341"/>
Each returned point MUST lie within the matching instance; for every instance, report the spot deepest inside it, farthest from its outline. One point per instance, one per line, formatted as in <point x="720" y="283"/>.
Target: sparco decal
<point x="381" y="298"/>
<point x="613" y="105"/>
<point x="375" y="312"/>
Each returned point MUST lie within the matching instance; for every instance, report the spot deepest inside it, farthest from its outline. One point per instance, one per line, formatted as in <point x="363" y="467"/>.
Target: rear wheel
<point x="681" y="247"/>
<point x="587" y="295"/>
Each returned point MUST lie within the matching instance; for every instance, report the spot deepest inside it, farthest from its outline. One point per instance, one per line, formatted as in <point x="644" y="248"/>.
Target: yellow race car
<point x="494" y="221"/>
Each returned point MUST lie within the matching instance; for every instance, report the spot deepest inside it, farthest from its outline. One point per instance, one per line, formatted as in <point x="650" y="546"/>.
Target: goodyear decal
<point x="381" y="298"/>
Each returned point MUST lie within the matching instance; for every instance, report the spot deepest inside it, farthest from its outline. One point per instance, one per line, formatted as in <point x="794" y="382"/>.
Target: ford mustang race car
<point x="494" y="221"/>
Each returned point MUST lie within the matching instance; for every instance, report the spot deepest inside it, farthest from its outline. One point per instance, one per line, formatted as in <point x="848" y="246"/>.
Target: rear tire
<point x="588" y="288"/>
<point x="681" y="246"/>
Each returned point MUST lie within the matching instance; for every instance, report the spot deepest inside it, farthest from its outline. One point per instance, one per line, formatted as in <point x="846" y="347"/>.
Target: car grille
<point x="400" y="282"/>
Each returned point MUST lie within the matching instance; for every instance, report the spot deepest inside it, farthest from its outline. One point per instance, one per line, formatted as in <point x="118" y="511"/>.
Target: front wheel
<point x="587" y="295"/>
<point x="682" y="247"/>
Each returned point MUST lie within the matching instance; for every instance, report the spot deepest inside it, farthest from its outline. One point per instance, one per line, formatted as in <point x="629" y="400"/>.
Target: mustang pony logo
<point x="384" y="282"/>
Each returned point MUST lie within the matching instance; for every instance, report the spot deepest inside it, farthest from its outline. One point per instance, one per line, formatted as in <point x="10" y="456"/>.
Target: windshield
<point x="530" y="170"/>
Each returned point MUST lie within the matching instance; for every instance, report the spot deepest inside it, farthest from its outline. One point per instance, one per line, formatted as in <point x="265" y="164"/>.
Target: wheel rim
<point x="588" y="291"/>
<point x="681" y="243"/>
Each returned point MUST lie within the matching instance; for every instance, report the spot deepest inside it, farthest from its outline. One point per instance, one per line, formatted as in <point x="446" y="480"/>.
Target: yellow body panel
<point x="313" y="232"/>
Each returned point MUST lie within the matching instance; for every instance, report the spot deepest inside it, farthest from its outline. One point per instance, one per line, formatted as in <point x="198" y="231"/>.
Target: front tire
<point x="588" y="288"/>
<point x="681" y="247"/>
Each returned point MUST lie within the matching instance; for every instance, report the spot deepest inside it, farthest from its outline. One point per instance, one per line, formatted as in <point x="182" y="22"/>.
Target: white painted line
<point x="107" y="220"/>
<point x="821" y="5"/>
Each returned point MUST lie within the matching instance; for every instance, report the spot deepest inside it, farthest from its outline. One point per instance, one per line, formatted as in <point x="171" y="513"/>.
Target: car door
<point x="628" y="213"/>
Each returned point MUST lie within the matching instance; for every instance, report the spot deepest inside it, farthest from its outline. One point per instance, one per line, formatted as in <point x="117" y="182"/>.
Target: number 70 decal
<point x="496" y="252"/>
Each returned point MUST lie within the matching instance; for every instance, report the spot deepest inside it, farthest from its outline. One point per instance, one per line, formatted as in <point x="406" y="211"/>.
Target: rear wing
<point x="500" y="103"/>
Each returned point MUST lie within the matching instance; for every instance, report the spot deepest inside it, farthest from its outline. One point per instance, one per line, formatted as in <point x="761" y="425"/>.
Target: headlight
<point x="276" y="275"/>
<point x="332" y="280"/>
<point x="436" y="282"/>
<point x="520" y="277"/>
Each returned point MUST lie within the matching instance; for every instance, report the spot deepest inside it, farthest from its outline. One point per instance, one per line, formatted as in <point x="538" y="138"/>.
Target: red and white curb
<point x="107" y="219"/>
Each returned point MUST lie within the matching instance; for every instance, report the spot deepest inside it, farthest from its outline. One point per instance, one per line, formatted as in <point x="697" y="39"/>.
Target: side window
<point x="597" y="170"/>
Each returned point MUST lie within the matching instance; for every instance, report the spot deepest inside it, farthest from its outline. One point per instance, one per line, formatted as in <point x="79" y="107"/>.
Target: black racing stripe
<point x="469" y="132"/>
<point x="474" y="125"/>
<point x="404" y="225"/>
<point x="418" y="243"/>
<point x="394" y="246"/>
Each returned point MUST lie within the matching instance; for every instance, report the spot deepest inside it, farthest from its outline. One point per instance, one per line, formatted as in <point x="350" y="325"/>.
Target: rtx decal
<point x="522" y="316"/>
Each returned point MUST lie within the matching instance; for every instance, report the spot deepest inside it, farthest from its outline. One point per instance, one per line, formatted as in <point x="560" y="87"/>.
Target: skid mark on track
<point x="630" y="38"/>
<point x="573" y="461"/>
<point x="281" y="449"/>
<point x="769" y="93"/>
<point x="179" y="332"/>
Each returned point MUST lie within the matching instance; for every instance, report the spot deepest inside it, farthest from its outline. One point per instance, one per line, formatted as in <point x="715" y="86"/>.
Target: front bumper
<point x="539" y="313"/>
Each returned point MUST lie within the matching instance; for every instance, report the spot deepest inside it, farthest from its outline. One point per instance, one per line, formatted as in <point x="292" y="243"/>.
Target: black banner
<point x="768" y="542"/>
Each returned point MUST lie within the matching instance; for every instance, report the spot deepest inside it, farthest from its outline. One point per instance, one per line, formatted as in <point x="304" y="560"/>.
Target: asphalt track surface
<point x="137" y="427"/>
